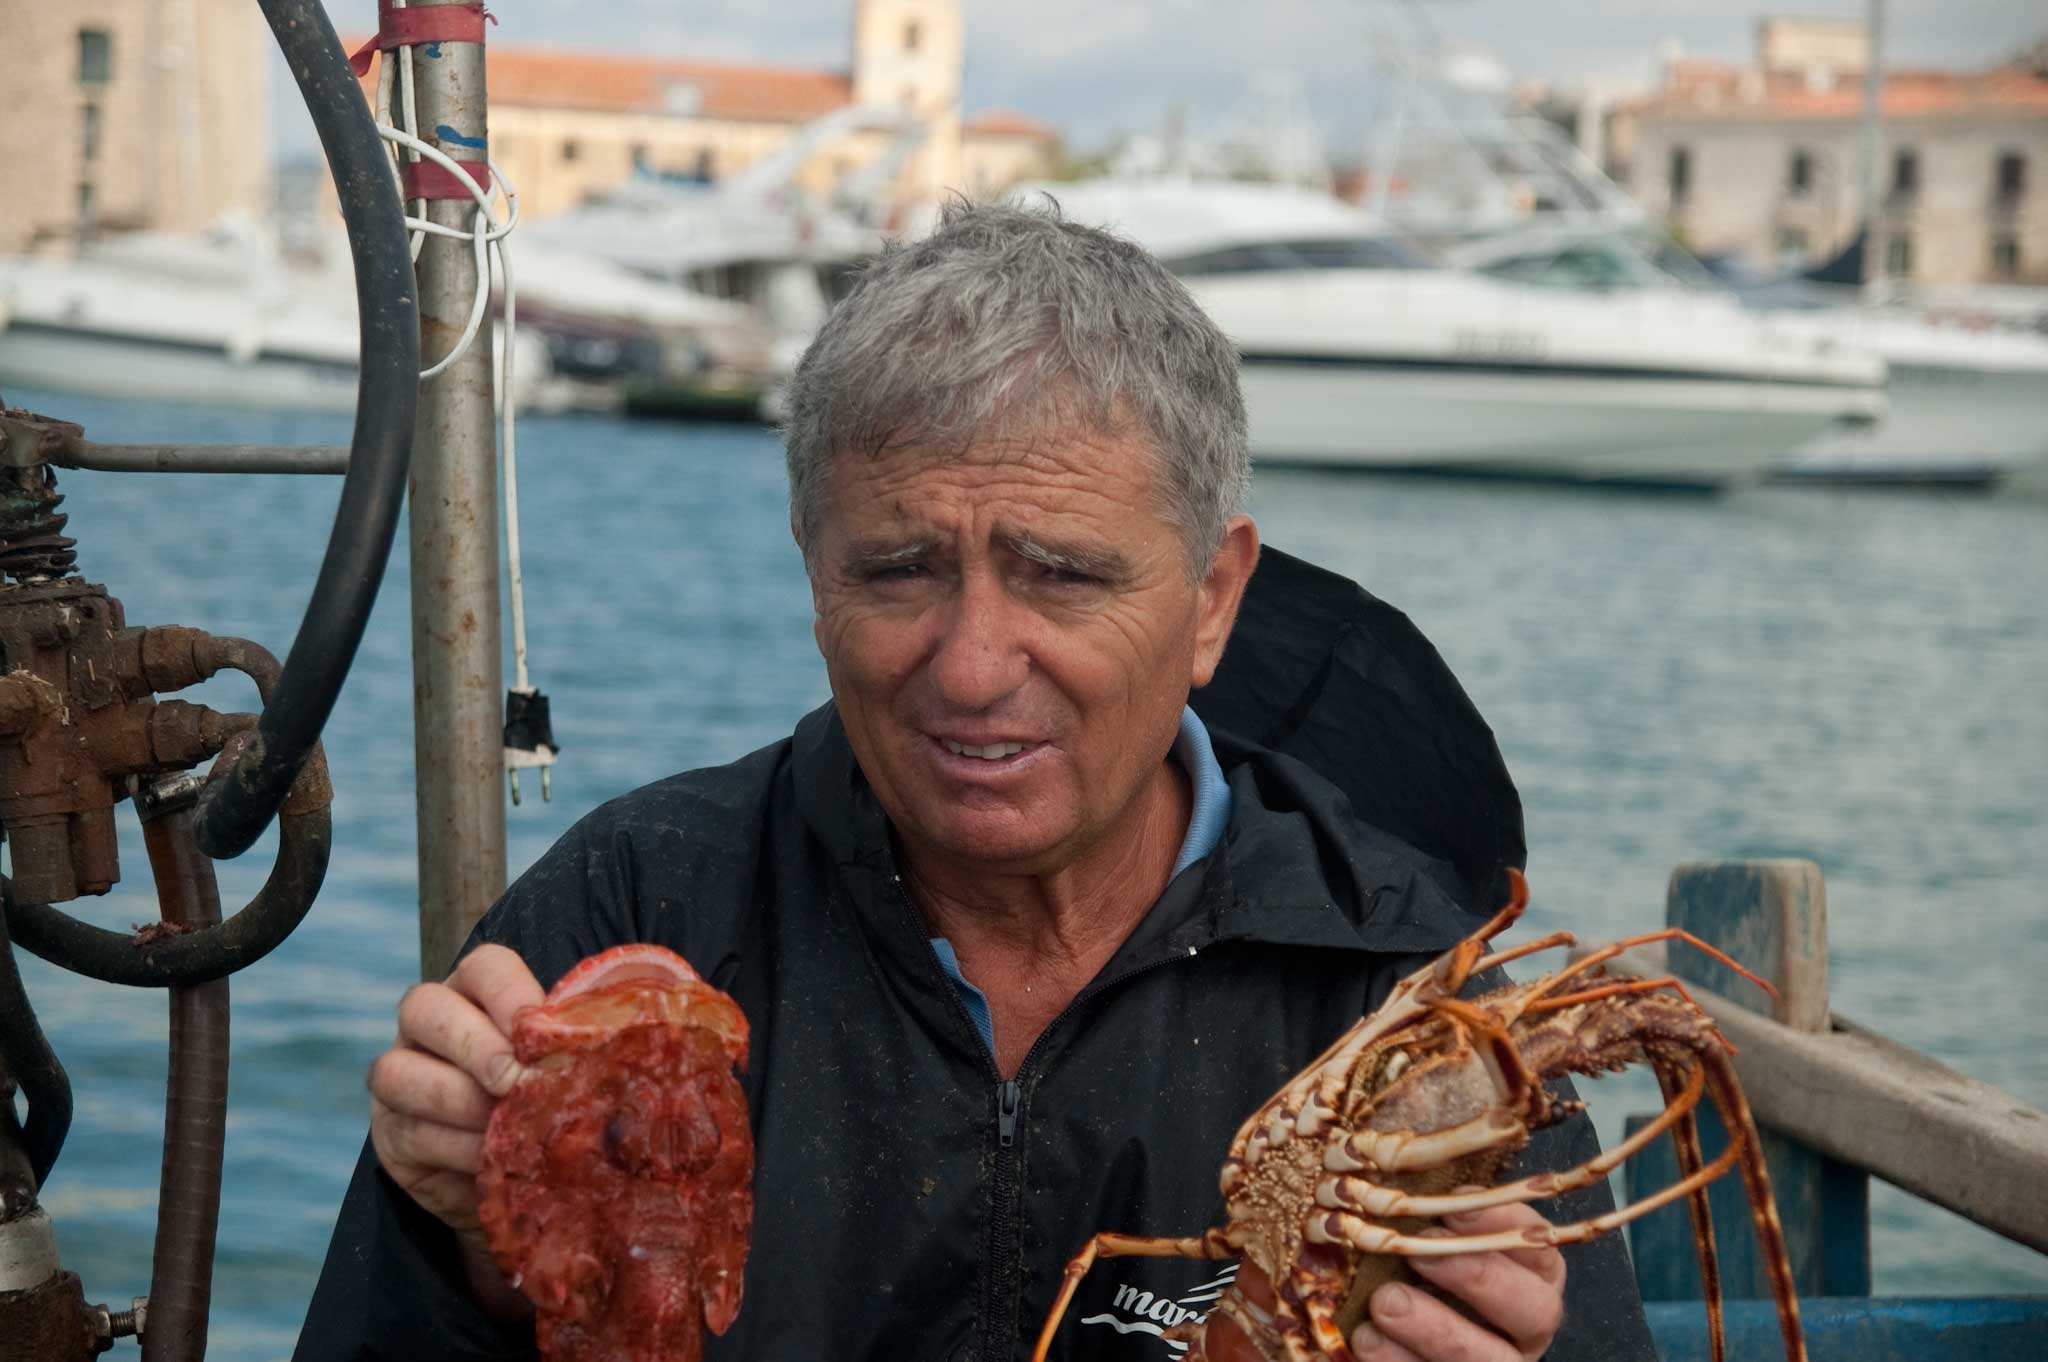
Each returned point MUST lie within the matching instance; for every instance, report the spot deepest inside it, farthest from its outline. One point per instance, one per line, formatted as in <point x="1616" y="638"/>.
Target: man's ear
<point x="1221" y="592"/>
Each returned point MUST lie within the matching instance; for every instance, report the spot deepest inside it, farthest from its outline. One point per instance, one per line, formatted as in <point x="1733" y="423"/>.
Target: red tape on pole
<point x="432" y="180"/>
<point x="422" y="24"/>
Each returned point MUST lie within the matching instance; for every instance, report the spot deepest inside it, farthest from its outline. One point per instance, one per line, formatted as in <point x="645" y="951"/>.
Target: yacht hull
<point x="1594" y="424"/>
<point x="1947" y="424"/>
<point x="108" y="364"/>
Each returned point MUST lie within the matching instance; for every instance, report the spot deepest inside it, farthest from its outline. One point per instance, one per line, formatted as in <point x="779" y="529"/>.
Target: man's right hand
<point x="432" y="1093"/>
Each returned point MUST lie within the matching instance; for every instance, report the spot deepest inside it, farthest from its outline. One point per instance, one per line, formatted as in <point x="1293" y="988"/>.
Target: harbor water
<point x="1861" y="679"/>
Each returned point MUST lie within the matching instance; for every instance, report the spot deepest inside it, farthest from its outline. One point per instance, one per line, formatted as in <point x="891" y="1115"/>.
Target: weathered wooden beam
<point x="1918" y="1124"/>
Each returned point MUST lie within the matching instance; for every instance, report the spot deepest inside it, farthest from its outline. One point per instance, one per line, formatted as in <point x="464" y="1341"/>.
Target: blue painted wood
<point x="1863" y="1329"/>
<point x="1823" y="1205"/>
<point x="1772" y="917"/>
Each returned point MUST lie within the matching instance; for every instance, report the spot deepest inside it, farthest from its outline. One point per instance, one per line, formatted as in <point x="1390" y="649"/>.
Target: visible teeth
<point x="993" y="752"/>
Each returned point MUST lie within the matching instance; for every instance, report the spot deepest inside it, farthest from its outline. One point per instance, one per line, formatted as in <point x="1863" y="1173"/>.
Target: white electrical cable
<point x="487" y="232"/>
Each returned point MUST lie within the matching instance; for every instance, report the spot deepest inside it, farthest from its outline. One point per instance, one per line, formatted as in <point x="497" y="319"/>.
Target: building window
<point x="1680" y="175"/>
<point x="912" y="35"/>
<point x="87" y="202"/>
<point x="702" y="168"/>
<point x="89" y="139"/>
<point x="571" y="149"/>
<point x="1799" y="174"/>
<point x="1792" y="248"/>
<point x="1905" y="173"/>
<point x="1898" y="256"/>
<point x="2012" y="176"/>
<point x="2005" y="256"/>
<point x="95" y="56"/>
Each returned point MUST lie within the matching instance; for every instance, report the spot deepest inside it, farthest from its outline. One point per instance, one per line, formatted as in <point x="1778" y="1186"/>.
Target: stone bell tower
<point x="910" y="54"/>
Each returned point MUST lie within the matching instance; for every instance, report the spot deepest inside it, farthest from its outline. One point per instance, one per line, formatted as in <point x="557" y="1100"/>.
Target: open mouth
<point x="995" y="751"/>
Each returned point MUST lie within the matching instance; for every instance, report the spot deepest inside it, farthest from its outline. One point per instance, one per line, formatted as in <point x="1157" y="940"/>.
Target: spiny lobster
<point x="1427" y="1098"/>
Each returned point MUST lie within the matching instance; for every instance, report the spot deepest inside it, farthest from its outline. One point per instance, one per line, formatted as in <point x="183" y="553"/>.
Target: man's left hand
<point x="1518" y="1292"/>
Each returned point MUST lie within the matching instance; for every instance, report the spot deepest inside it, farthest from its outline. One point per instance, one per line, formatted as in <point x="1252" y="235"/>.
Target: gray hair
<point x="1012" y="319"/>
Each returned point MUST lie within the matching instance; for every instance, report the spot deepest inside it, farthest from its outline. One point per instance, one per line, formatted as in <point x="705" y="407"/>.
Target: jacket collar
<point x="1295" y="867"/>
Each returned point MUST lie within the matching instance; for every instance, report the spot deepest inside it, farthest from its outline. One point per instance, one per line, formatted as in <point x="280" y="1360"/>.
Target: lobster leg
<point x="1541" y="943"/>
<point x="1685" y="1136"/>
<point x="1209" y="1245"/>
<point x="1344" y="1227"/>
<point x="1770" y="1235"/>
<point x="1396" y="1151"/>
<point x="1357" y="1194"/>
<point x="1594" y="959"/>
<point x="1320" y="1296"/>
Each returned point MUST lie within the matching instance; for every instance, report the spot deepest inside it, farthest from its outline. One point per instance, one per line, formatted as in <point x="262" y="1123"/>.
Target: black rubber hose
<point x="236" y="810"/>
<point x="195" y="1109"/>
<point x="304" y="841"/>
<point x="29" y="1058"/>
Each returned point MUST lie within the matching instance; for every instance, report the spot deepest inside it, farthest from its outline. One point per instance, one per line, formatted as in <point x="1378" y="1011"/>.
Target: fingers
<point x="499" y="982"/>
<point x="467" y="1020"/>
<point x="1542" y="1259"/>
<point x="412" y="1148"/>
<point x="426" y="1086"/>
<point x="1412" y="1326"/>
<point x="431" y="1094"/>
<point x="1519" y="1292"/>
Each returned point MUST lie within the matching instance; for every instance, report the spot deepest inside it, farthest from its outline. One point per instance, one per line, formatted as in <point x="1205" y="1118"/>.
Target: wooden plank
<point x="1772" y="917"/>
<point x="1921" y="1126"/>
<point x="1861" y="1329"/>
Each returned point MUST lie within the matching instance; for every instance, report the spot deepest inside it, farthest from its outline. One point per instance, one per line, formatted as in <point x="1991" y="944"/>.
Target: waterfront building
<point x="1762" y="160"/>
<point x="131" y="113"/>
<point x="566" y="125"/>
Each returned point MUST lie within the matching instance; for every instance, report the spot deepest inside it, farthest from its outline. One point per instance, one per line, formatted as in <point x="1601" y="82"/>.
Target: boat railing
<point x="1837" y="1104"/>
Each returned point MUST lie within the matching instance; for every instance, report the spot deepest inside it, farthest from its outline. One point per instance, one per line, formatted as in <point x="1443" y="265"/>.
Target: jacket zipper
<point x="997" y="1336"/>
<point x="1006" y="1269"/>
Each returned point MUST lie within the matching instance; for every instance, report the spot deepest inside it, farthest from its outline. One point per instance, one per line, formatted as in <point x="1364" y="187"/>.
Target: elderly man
<point x="1019" y="942"/>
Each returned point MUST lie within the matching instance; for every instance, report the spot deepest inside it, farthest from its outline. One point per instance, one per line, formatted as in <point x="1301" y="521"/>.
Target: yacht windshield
<point x="1332" y="253"/>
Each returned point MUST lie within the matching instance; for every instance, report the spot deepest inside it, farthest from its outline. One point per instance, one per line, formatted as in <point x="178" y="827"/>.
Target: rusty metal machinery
<point x="83" y="730"/>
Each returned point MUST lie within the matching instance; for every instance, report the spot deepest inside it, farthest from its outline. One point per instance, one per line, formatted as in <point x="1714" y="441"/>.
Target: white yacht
<point x="1358" y="352"/>
<point x="199" y="317"/>
<point x="1964" y="406"/>
<point x="224" y="316"/>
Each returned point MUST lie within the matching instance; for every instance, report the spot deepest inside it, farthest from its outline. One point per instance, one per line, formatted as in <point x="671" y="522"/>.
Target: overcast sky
<point x="1096" y="68"/>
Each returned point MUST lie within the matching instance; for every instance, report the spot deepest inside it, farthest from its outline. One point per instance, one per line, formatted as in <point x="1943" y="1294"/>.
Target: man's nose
<point x="979" y="659"/>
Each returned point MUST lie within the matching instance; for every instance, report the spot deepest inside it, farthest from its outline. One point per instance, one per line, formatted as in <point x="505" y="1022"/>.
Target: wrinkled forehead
<point x="1013" y="484"/>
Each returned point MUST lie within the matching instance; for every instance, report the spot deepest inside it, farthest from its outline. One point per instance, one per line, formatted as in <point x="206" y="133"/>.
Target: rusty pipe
<point x="196" y="1093"/>
<point x="27" y="1059"/>
<point x="174" y="657"/>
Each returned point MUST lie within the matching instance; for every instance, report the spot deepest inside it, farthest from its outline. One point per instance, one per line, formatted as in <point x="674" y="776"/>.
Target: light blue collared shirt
<point x="1206" y="821"/>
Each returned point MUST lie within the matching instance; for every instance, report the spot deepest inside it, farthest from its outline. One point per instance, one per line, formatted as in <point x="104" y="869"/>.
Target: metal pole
<point x="1866" y="159"/>
<point x="458" y="684"/>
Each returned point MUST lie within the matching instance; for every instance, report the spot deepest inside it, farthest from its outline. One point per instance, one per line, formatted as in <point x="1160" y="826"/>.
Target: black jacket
<point x="910" y="1205"/>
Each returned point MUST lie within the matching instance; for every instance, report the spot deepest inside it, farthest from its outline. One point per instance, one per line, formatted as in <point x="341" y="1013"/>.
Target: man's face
<point x="1011" y="633"/>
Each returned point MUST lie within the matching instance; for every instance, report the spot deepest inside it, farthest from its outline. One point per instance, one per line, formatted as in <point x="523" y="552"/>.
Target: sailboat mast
<point x="1867" y="151"/>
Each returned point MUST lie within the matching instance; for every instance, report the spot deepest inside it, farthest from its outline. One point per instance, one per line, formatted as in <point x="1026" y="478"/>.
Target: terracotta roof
<point x="1711" y="89"/>
<point x="1010" y="123"/>
<point x="556" y="79"/>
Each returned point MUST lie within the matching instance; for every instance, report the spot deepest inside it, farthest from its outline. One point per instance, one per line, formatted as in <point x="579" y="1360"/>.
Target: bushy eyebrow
<point x="1081" y="560"/>
<point x="864" y="557"/>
